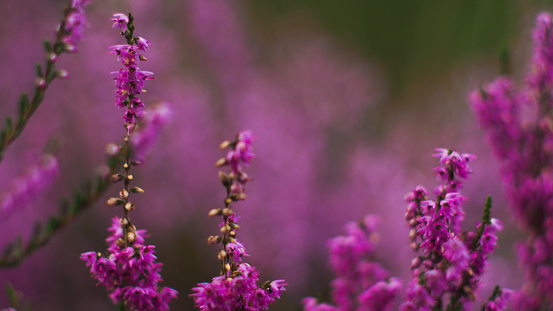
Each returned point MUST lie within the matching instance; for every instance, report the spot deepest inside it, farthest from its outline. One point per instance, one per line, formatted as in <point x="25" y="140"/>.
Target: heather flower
<point x="236" y="288"/>
<point x="361" y="283"/>
<point x="72" y="28"/>
<point x="120" y="20"/>
<point x="130" y="80"/>
<point x="452" y="261"/>
<point x="524" y="148"/>
<point x="38" y="176"/>
<point x="131" y="273"/>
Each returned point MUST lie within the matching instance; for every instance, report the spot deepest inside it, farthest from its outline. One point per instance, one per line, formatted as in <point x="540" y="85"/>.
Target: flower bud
<point x="415" y="263"/>
<point x="215" y="212"/>
<point x="123" y="221"/>
<point x="227" y="267"/>
<point x="131" y="236"/>
<point x="62" y="74"/>
<point x="214" y="239"/>
<point x="124" y="194"/>
<point x="222" y="254"/>
<point x="126" y="165"/>
<point x="115" y="178"/>
<point x="225" y="229"/>
<point x="129" y="177"/>
<point x="114" y="201"/>
<point x="112" y="149"/>
<point x="129" y="206"/>
<point x="227" y="211"/>
<point x="137" y="190"/>
<point x="225" y="144"/>
<point x="221" y="162"/>
<point x="225" y="179"/>
<point x="120" y="243"/>
<point x="238" y="196"/>
<point x="234" y="226"/>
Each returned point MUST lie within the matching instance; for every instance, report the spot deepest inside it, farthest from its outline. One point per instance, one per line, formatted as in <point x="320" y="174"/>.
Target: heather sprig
<point x="39" y="174"/>
<point x="361" y="283"/>
<point x="236" y="288"/>
<point x="130" y="80"/>
<point x="518" y="125"/>
<point x="128" y="269"/>
<point x="69" y="33"/>
<point x="83" y="198"/>
<point x="452" y="261"/>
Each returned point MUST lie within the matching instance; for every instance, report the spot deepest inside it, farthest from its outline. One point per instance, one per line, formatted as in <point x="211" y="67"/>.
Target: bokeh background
<point x="348" y="99"/>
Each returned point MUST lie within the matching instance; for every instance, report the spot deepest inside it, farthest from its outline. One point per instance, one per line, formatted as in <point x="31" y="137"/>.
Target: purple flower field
<point x="229" y="155"/>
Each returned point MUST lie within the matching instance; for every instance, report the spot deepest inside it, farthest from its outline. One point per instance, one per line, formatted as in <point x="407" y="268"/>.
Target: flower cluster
<point x="361" y="283"/>
<point x="236" y="288"/>
<point x="130" y="80"/>
<point x="72" y="28"/>
<point x="128" y="270"/>
<point x="131" y="273"/>
<point x="519" y="127"/>
<point x="452" y="261"/>
<point x="38" y="176"/>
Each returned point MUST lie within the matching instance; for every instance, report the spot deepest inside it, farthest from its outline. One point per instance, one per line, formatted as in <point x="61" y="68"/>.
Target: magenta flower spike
<point x="38" y="176"/>
<point x="361" y="283"/>
<point x="524" y="149"/>
<point x="236" y="288"/>
<point x="128" y="269"/>
<point x="451" y="261"/>
<point x="130" y="80"/>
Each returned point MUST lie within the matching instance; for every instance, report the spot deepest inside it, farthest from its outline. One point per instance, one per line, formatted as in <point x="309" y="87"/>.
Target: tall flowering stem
<point x="69" y="33"/>
<point x="452" y="261"/>
<point x="128" y="270"/>
<point x="361" y="283"/>
<point x="524" y="147"/>
<point x="236" y="288"/>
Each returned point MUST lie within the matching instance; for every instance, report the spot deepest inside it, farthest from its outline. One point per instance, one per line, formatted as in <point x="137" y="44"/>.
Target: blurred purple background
<point x="346" y="125"/>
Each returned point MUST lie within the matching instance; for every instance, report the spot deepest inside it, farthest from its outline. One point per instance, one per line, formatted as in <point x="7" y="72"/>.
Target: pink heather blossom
<point x="120" y="20"/>
<point x="236" y="288"/>
<point x="452" y="261"/>
<point x="130" y="80"/>
<point x="74" y="24"/>
<point x="359" y="280"/>
<point x="131" y="274"/>
<point x="24" y="189"/>
<point x="524" y="149"/>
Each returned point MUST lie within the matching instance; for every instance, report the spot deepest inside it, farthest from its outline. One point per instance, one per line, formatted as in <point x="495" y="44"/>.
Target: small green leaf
<point x="9" y="124"/>
<point x="47" y="46"/>
<point x="39" y="71"/>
